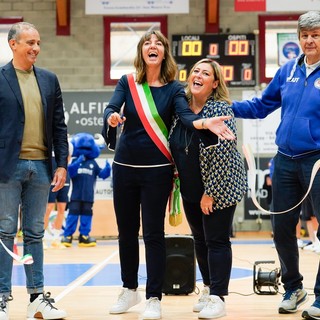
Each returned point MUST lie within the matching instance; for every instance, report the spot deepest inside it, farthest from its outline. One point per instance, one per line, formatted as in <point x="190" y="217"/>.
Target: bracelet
<point x="204" y="124"/>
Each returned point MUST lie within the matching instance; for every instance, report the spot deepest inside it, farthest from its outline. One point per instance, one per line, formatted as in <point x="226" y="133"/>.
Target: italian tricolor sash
<point x="149" y="116"/>
<point x="158" y="132"/>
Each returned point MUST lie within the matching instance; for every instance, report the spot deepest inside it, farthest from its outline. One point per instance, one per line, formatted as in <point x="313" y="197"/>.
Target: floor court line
<point x="85" y="277"/>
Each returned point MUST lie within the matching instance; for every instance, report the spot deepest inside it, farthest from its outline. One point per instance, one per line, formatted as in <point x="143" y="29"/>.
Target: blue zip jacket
<point x="299" y="98"/>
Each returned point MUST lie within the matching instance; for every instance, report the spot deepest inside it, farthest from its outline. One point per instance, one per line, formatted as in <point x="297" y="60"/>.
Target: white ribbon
<point x="252" y="180"/>
<point x="26" y="259"/>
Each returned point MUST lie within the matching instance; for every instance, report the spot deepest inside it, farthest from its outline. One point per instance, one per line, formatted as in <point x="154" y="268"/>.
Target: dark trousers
<point x="212" y="245"/>
<point x="147" y="189"/>
<point x="290" y="182"/>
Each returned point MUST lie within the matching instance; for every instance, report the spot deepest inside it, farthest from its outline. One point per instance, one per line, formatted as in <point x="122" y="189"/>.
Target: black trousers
<point x="212" y="245"/>
<point x="147" y="189"/>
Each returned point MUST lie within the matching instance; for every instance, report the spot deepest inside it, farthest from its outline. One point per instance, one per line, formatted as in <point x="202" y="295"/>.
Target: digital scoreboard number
<point x="234" y="52"/>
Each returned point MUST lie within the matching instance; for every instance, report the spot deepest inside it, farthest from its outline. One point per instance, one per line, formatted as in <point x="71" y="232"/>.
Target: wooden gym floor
<point x="86" y="282"/>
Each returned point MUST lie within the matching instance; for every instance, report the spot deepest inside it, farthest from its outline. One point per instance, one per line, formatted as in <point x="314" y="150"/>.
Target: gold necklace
<point x="186" y="149"/>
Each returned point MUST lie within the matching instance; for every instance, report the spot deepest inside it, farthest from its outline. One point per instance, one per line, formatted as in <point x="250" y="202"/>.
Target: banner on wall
<point x="121" y="7"/>
<point x="250" y="5"/>
<point x="83" y="112"/>
<point x="103" y="189"/>
<point x="276" y="5"/>
<point x="260" y="134"/>
<point x="263" y="191"/>
<point x="288" y="47"/>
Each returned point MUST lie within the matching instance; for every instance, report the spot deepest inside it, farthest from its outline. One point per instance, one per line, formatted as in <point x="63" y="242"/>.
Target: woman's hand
<point x="217" y="126"/>
<point x="115" y="119"/>
<point x="206" y="204"/>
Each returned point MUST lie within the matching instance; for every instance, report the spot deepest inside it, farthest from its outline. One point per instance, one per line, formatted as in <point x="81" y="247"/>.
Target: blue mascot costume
<point x="83" y="171"/>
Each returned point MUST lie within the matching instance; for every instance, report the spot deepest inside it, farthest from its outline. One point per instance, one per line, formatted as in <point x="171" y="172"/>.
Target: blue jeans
<point x="290" y="182"/>
<point x="29" y="187"/>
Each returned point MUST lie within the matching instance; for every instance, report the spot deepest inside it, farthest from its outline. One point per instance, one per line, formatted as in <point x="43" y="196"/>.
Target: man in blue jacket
<point x="31" y="125"/>
<point x="296" y="89"/>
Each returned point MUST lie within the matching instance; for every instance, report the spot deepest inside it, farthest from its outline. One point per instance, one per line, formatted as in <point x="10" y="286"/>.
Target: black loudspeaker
<point x="180" y="276"/>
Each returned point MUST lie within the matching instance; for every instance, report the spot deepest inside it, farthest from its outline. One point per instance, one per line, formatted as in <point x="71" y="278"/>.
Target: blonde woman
<point x="213" y="181"/>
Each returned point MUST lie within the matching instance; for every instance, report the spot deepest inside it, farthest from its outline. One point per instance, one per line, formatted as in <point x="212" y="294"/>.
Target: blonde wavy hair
<point x="221" y="92"/>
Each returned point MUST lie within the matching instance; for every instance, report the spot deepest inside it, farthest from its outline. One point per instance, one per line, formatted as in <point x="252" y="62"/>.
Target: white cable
<point x="252" y="180"/>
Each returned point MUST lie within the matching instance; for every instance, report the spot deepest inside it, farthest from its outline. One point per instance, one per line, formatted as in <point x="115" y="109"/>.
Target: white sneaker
<point x="57" y="234"/>
<point x="43" y="308"/>
<point x="152" y="310"/>
<point x="56" y="244"/>
<point x="312" y="312"/>
<point x="4" y="308"/>
<point x="317" y="248"/>
<point x="291" y="301"/>
<point x="48" y="235"/>
<point x="203" y="300"/>
<point x="300" y="243"/>
<point x="127" y="299"/>
<point x="215" y="308"/>
<point x="44" y="244"/>
<point x="310" y="247"/>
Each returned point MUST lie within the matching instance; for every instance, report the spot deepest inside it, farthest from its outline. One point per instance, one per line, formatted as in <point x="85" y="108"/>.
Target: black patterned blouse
<point x="222" y="167"/>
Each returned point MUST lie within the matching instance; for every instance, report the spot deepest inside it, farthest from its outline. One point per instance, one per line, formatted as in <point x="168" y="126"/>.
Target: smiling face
<point x="202" y="81"/>
<point x="153" y="51"/>
<point x="310" y="44"/>
<point x="25" y="48"/>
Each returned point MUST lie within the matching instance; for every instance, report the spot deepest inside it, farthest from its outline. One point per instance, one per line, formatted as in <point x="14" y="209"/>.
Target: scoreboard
<point x="234" y="52"/>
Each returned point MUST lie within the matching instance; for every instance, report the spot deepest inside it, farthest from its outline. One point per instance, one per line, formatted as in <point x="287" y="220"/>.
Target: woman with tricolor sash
<point x="145" y="103"/>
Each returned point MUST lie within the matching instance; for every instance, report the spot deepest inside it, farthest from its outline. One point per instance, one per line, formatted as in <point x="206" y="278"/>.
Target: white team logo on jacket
<point x="317" y="83"/>
<point x="292" y="79"/>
